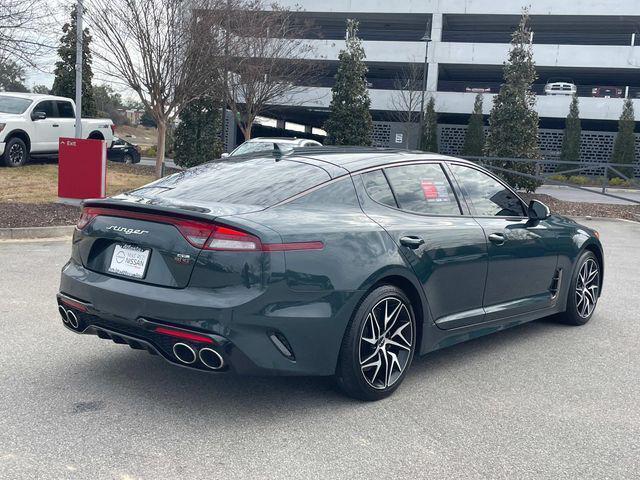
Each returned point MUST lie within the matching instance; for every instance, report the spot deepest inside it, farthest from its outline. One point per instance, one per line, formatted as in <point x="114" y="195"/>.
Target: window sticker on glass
<point x="435" y="191"/>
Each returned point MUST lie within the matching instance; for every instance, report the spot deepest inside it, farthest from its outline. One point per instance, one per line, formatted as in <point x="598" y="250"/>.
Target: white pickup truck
<point x="32" y="124"/>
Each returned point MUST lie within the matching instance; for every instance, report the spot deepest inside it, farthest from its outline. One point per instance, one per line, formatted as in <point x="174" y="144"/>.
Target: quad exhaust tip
<point x="63" y="314"/>
<point x="73" y="319"/>
<point x="184" y="353"/>
<point x="69" y="317"/>
<point x="211" y="359"/>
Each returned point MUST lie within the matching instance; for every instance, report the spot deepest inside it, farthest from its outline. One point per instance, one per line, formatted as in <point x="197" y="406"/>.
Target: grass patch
<point x="38" y="183"/>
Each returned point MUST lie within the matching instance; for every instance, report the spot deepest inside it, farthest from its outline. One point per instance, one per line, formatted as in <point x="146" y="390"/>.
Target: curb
<point x="36" y="232"/>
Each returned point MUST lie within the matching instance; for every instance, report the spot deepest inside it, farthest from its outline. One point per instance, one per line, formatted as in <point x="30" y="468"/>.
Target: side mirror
<point x="538" y="210"/>
<point x="38" y="115"/>
<point x="224" y="155"/>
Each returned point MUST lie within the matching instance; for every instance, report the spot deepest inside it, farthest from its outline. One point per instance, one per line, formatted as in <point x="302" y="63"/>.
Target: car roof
<point x="287" y="140"/>
<point x="337" y="160"/>
<point x="33" y="96"/>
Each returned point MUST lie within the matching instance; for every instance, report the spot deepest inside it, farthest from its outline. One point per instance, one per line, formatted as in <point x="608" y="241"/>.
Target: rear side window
<point x="423" y="188"/>
<point x="65" y="110"/>
<point x="256" y="181"/>
<point x="378" y="188"/>
<point x="489" y="198"/>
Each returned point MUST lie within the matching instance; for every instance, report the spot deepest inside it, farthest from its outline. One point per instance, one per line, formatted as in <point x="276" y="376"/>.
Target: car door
<point x="67" y="119"/>
<point x="417" y="206"/>
<point x="46" y="130"/>
<point x="522" y="259"/>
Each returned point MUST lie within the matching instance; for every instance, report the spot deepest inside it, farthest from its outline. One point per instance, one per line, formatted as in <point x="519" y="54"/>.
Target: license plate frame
<point x="129" y="261"/>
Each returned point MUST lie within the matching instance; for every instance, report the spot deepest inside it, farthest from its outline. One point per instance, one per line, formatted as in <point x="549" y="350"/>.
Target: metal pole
<point x="424" y="88"/>
<point x="79" y="32"/>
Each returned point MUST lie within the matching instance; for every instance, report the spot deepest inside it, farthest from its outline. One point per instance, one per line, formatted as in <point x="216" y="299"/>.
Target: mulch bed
<point x="54" y="214"/>
<point x="576" y="209"/>
<point x="15" y="214"/>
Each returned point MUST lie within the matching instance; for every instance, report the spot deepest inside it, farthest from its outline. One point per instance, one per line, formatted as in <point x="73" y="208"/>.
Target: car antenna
<point x="277" y="153"/>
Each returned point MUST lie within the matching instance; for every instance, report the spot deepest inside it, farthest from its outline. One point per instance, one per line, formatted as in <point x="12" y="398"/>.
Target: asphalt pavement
<point x="542" y="400"/>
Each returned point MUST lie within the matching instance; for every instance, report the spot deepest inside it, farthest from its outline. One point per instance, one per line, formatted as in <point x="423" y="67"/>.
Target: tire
<point x="584" y="290"/>
<point x="16" y="153"/>
<point x="128" y="159"/>
<point x="372" y="364"/>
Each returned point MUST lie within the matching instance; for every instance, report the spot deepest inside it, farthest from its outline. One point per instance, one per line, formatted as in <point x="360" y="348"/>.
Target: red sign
<point x="429" y="189"/>
<point x="82" y="168"/>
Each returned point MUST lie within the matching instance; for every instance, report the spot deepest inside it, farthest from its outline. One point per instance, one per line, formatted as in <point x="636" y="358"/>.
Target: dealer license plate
<point x="129" y="260"/>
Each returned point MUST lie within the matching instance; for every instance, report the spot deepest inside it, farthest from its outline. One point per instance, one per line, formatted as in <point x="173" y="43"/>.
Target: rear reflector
<point x="73" y="304"/>
<point x="286" y="247"/>
<point x="194" y="337"/>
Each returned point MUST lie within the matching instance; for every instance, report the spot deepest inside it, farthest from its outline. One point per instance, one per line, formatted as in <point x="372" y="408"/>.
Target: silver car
<point x="266" y="144"/>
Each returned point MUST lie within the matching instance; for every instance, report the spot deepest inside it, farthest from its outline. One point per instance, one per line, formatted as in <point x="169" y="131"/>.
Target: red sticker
<point x="429" y="189"/>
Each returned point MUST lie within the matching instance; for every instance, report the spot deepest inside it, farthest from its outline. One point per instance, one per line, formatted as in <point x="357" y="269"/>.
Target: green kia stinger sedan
<point x="323" y="261"/>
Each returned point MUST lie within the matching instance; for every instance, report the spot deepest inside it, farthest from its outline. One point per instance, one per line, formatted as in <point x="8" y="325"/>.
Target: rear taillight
<point x="225" y="238"/>
<point x="201" y="234"/>
<point x="86" y="216"/>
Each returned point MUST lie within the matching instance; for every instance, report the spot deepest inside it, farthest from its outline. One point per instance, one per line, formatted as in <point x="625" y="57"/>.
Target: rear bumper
<point x="240" y="324"/>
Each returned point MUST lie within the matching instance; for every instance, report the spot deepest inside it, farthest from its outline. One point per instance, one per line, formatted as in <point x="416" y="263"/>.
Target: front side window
<point x="488" y="197"/>
<point x="47" y="107"/>
<point x="65" y="110"/>
<point x="423" y="188"/>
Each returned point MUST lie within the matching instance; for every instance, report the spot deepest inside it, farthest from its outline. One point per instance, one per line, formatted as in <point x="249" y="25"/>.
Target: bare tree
<point x="170" y="52"/>
<point x="269" y="62"/>
<point x="406" y="97"/>
<point x="22" y="23"/>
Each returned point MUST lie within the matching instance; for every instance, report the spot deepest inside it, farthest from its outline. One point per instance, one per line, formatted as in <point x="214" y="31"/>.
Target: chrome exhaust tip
<point x="73" y="319"/>
<point x="63" y="314"/>
<point x="184" y="353"/>
<point x="211" y="359"/>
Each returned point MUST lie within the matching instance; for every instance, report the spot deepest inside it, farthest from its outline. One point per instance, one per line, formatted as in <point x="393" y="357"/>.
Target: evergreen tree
<point x="624" y="148"/>
<point x="429" y="140"/>
<point x="198" y="135"/>
<point x="64" y="84"/>
<point x="349" y="121"/>
<point x="513" y="123"/>
<point x="42" y="89"/>
<point x="571" y="140"/>
<point x="474" y="138"/>
<point x="12" y="77"/>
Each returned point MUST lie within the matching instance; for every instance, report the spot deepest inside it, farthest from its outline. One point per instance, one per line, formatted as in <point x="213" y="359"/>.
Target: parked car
<point x="323" y="261"/>
<point x="266" y="144"/>
<point x="607" y="92"/>
<point x="32" y="123"/>
<point x="560" y="87"/>
<point x="123" y="151"/>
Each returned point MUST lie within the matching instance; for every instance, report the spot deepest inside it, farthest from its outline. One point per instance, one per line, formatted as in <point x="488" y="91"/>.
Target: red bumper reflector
<point x="73" y="304"/>
<point x="194" y="337"/>
<point x="287" y="247"/>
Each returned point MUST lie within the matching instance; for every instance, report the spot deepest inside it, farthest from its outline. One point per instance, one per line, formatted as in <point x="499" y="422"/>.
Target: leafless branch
<point x="22" y="27"/>
<point x="406" y="97"/>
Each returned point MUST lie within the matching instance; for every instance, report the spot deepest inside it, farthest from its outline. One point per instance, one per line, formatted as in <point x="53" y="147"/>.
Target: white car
<point x="32" y="123"/>
<point x="560" y="87"/>
<point x="267" y="144"/>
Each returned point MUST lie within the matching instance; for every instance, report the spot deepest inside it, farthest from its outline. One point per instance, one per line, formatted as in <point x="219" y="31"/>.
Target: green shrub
<point x="619" y="182"/>
<point x="558" y="177"/>
<point x="579" y="180"/>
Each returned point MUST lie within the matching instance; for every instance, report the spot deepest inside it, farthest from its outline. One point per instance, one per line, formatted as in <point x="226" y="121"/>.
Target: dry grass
<point x="39" y="183"/>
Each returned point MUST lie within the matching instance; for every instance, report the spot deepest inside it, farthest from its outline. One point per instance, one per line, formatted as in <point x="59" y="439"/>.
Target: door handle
<point x="497" y="238"/>
<point x="55" y="125"/>
<point x="411" y="241"/>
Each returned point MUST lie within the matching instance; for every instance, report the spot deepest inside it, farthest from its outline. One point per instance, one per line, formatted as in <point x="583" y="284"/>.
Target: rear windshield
<point x="257" y="181"/>
<point x="13" y="104"/>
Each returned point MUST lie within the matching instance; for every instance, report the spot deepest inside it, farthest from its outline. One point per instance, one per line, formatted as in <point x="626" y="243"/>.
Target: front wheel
<point x="15" y="153"/>
<point x="584" y="290"/>
<point x="128" y="159"/>
<point x="378" y="346"/>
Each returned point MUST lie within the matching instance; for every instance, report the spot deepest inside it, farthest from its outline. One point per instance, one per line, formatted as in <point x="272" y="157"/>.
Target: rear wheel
<point x="128" y="159"/>
<point x="15" y="153"/>
<point x="584" y="290"/>
<point x="378" y="346"/>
